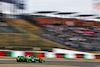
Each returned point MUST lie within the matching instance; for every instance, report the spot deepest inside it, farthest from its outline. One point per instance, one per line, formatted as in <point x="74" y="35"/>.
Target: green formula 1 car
<point x="29" y="59"/>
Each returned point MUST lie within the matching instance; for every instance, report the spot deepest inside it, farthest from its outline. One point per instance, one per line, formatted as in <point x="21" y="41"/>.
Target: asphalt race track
<point x="69" y="62"/>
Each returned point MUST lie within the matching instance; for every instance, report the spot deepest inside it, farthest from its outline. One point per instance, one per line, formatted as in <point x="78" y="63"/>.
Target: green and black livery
<point x="29" y="59"/>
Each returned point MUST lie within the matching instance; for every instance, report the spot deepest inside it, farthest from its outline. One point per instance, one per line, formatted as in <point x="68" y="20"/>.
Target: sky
<point x="83" y="6"/>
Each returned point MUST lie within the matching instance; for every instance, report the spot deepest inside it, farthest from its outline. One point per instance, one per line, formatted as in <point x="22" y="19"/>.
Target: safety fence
<point x="48" y="54"/>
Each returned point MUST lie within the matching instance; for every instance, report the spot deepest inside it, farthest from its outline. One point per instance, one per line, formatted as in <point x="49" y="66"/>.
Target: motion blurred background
<point x="25" y="26"/>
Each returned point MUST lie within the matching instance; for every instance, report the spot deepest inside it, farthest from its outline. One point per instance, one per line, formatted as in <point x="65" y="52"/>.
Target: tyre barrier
<point x="48" y="54"/>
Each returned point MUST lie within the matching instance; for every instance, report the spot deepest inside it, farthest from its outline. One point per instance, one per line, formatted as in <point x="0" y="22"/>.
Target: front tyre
<point x="29" y="60"/>
<point x="18" y="60"/>
<point x="43" y="60"/>
<point x="40" y="60"/>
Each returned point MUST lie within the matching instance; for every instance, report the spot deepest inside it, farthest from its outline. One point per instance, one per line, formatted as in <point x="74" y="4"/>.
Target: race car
<point x="29" y="59"/>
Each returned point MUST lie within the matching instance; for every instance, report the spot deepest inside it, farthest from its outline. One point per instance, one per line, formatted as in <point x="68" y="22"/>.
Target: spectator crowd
<point x="85" y="38"/>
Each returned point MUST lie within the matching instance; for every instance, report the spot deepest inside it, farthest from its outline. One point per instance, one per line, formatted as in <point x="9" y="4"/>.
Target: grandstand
<point x="34" y="34"/>
<point x="76" y="33"/>
<point x="28" y="36"/>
